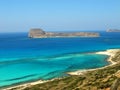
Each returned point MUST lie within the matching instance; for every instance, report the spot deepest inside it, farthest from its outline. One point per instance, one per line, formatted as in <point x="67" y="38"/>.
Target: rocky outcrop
<point x="39" y="33"/>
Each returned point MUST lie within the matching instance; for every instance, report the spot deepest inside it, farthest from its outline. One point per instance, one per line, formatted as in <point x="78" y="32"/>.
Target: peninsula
<point x="39" y="33"/>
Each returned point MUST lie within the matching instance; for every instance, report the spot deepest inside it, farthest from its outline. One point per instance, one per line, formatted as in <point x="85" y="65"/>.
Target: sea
<point x="24" y="59"/>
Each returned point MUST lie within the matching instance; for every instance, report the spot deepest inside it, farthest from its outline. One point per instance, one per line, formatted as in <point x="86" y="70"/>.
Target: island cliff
<point x="39" y="33"/>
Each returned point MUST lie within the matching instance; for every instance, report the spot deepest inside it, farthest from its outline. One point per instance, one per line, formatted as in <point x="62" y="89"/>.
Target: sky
<point x="59" y="15"/>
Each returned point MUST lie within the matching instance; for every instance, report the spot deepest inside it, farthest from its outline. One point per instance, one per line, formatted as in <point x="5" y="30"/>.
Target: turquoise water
<point x="23" y="59"/>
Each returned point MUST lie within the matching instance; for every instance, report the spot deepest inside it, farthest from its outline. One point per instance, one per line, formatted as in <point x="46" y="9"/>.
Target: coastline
<point x="22" y="86"/>
<point x="110" y="52"/>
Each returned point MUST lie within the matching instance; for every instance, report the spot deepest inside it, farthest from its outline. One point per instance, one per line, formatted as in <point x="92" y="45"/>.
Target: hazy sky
<point x="51" y="15"/>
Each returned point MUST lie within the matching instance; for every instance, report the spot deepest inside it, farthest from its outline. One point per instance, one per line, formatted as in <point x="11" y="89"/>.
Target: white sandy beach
<point x="22" y="86"/>
<point x="111" y="53"/>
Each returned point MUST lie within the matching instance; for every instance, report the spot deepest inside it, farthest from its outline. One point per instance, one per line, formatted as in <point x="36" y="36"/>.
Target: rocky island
<point x="39" y="33"/>
<point x="113" y="30"/>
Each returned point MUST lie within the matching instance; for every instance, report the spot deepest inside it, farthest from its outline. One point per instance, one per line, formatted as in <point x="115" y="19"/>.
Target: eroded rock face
<point x="39" y="33"/>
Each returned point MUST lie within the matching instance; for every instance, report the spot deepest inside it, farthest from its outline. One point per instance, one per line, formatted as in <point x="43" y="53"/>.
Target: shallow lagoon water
<point x="23" y="59"/>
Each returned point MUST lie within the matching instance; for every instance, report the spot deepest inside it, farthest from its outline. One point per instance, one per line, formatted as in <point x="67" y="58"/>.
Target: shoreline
<point x="27" y="84"/>
<point x="110" y="52"/>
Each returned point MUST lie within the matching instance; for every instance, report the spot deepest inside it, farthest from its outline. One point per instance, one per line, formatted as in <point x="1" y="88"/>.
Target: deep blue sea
<point x="24" y="59"/>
